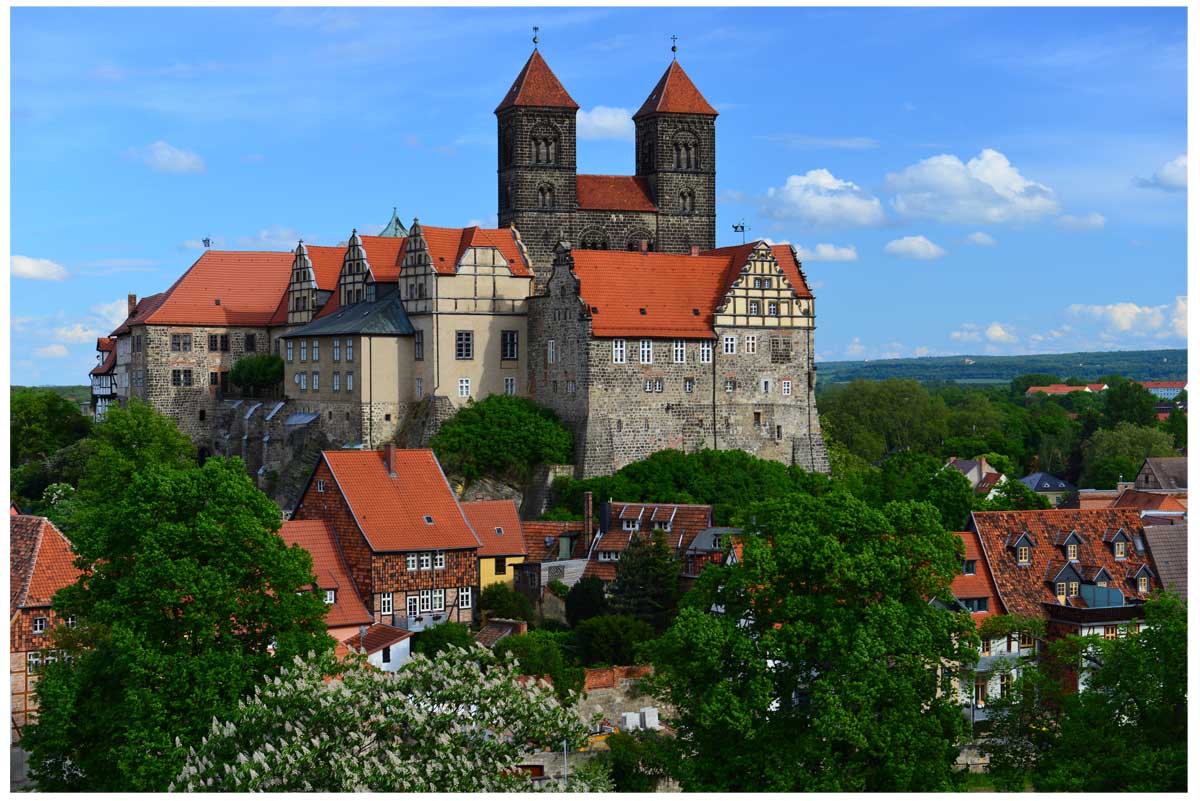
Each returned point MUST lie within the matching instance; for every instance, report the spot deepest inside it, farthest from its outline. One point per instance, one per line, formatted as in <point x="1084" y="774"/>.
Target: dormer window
<point x="330" y="596"/>
<point x="1119" y="549"/>
<point x="969" y="567"/>
<point x="1023" y="555"/>
<point x="662" y="525"/>
<point x="1101" y="583"/>
<point x="1060" y="589"/>
<point x="629" y="524"/>
<point x="1143" y="584"/>
<point x="1073" y="589"/>
<point x="1073" y="552"/>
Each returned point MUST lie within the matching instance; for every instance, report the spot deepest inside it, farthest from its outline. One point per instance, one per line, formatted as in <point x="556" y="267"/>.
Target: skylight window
<point x="429" y="519"/>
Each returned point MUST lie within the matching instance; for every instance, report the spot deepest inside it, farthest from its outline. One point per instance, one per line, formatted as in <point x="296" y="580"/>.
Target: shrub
<point x="501" y="600"/>
<point x="502" y="436"/>
<point x="260" y="371"/>
<point x="611" y="639"/>
<point x="586" y="600"/>
<point x="436" y="639"/>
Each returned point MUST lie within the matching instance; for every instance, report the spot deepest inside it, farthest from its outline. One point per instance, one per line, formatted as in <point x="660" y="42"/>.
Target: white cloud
<point x="1179" y="317"/>
<point x="162" y="157"/>
<point x="38" y="269"/>
<point x="967" y="332"/>
<point x="981" y="239"/>
<point x="276" y="237"/>
<point x="827" y="252"/>
<point x="112" y="313"/>
<point x="1131" y="319"/>
<point x="604" y="122"/>
<point x="855" y="348"/>
<point x="818" y="197"/>
<point x="892" y="350"/>
<point x="54" y="351"/>
<point x="1171" y="177"/>
<point x="998" y="333"/>
<point x="820" y="142"/>
<point x="920" y="350"/>
<point x="1087" y="222"/>
<point x="914" y="247"/>
<point x="76" y="333"/>
<point x="987" y="189"/>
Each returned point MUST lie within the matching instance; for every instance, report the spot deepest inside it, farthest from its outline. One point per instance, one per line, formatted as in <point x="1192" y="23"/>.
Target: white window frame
<point x="426" y="600"/>
<point x="303" y="381"/>
<point x="385" y="603"/>
<point x="316" y="350"/>
<point x="337" y="380"/>
<point x="786" y="387"/>
<point x="349" y="349"/>
<point x="680" y="351"/>
<point x="510" y="385"/>
<point x="464" y="597"/>
<point x="426" y="560"/>
<point x="1143" y="584"/>
<point x="551" y="352"/>
<point x="316" y="381"/>
<point x="689" y="385"/>
<point x="350" y="381"/>
<point x="439" y="560"/>
<point x="330" y="597"/>
<point x="320" y="485"/>
<point x="646" y="351"/>
<point x="629" y="524"/>
<point x="751" y="344"/>
<point x="337" y="349"/>
<point x="413" y="606"/>
<point x="410" y="561"/>
<point x="40" y="624"/>
<point x="439" y="600"/>
<point x="729" y="344"/>
<point x="730" y="384"/>
<point x="772" y="309"/>
<point x="289" y="351"/>
<point x="618" y="346"/>
<point x="419" y="387"/>
<point x="464" y="387"/>
<point x="649" y="385"/>
<point x="755" y="307"/>
<point x="706" y="352"/>
<point x="304" y="350"/>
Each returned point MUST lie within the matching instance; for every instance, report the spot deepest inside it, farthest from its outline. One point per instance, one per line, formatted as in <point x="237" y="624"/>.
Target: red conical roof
<point x="537" y="86"/>
<point x="675" y="94"/>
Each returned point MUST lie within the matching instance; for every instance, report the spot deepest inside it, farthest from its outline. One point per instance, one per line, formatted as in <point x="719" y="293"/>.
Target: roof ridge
<point x="27" y="579"/>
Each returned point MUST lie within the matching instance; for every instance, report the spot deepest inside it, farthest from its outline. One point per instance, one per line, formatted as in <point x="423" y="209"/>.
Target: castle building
<point x="602" y="297"/>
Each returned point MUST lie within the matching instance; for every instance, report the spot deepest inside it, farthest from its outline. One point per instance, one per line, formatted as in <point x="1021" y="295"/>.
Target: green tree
<point x="1019" y="385"/>
<point x="647" y="582"/>
<point x="1010" y="496"/>
<point x="503" y="436"/>
<point x="611" y="639"/>
<point x="587" y="599"/>
<point x="874" y="418"/>
<point x="1176" y="422"/>
<point x="818" y="674"/>
<point x="190" y="598"/>
<point x="501" y="600"/>
<point x="1120" y="451"/>
<point x="436" y="639"/>
<point x="1128" y="402"/>
<point x="41" y="422"/>
<point x="430" y="727"/>
<point x="1125" y="731"/>
<point x="636" y="760"/>
<point x="258" y="372"/>
<point x="545" y="653"/>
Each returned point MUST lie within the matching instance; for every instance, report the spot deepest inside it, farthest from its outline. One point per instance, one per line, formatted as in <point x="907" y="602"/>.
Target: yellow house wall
<point x="487" y="571"/>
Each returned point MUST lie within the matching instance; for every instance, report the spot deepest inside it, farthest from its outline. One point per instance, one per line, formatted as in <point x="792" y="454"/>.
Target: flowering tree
<point x="446" y="724"/>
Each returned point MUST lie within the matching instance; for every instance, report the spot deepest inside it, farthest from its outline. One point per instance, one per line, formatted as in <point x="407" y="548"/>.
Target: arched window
<point x="687" y="152"/>
<point x="593" y="240"/>
<point x="687" y="202"/>
<point x="544" y="144"/>
<point x="506" y="147"/>
<point x="545" y="196"/>
<point x="637" y="237"/>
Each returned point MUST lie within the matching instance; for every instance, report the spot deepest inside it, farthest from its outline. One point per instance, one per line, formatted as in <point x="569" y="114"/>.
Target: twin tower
<point x="669" y="205"/>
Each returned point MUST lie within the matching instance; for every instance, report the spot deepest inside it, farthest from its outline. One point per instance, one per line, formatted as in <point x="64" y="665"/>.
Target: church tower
<point x="536" y="158"/>
<point x="676" y="154"/>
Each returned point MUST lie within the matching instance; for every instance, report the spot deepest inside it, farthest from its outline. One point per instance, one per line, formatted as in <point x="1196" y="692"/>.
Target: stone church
<point x="602" y="297"/>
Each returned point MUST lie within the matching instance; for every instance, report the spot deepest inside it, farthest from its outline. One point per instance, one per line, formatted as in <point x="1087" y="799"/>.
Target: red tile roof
<point x="144" y="308"/>
<point x="40" y="562"/>
<point x="497" y="526"/>
<point x="448" y="245"/>
<point x="979" y="585"/>
<point x="379" y="636"/>
<point x="1163" y="384"/>
<point x="679" y="294"/>
<point x="535" y="533"/>
<point x="105" y="344"/>
<point x="330" y="570"/>
<point x="1144" y="501"/>
<point x="391" y="511"/>
<point x="248" y="285"/>
<point x="536" y="85"/>
<point x="106" y="366"/>
<point x="327" y="267"/>
<point x="1024" y="588"/>
<point x="605" y="571"/>
<point x="1065" y="389"/>
<point x="687" y="520"/>
<point x="614" y="193"/>
<point x="385" y="254"/>
<point x="675" y="94"/>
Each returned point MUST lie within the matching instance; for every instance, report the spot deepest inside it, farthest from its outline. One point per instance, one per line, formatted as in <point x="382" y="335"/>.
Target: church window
<point x="506" y="147"/>
<point x="687" y="201"/>
<point x="593" y="240"/>
<point x="545" y="196"/>
<point x="545" y="146"/>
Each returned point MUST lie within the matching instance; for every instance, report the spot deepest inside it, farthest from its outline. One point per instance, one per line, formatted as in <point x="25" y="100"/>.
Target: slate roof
<point x="614" y="193"/>
<point x="536" y="85"/>
<point x="675" y="94"/>
<point x="1168" y="552"/>
<point x="664" y="294"/>
<point x="385" y="317"/>
<point x="498" y="527"/>
<point x="980" y="585"/>
<point x="391" y="512"/>
<point x="1024" y="588"/>
<point x="40" y="562"/>
<point x="379" y="636"/>
<point x="1170" y="471"/>
<point x="330" y="570"/>
<point x="248" y="285"/>
<point x="1044" y="482"/>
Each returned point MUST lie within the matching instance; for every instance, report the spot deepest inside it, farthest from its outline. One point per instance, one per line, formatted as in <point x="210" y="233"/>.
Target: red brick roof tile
<point x="327" y="267"/>
<point x="614" y="193"/>
<point x="535" y="533"/>
<point x="105" y="344"/>
<point x="979" y="585"/>
<point x="1145" y="501"/>
<point x="40" y="562"/>
<point x="536" y="85"/>
<point x="448" y="245"/>
<point x="1163" y="384"/>
<point x="144" y="308"/>
<point x="497" y="526"/>
<point x="248" y="285"/>
<point x="1024" y="588"/>
<point x="675" y="94"/>
<point x="379" y="636"/>
<point x="105" y="367"/>
<point x="392" y="511"/>
<point x="330" y="570"/>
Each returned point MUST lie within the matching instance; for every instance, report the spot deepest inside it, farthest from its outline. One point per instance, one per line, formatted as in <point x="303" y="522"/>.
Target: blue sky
<point x="957" y="180"/>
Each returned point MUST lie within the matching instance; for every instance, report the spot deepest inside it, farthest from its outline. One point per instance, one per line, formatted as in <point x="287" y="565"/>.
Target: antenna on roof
<point x="535" y="37"/>
<point x="207" y="242"/>
<point x="674" y="48"/>
<point x="741" y="227"/>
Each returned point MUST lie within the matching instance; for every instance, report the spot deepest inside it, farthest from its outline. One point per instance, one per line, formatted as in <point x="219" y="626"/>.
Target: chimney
<point x="587" y="521"/>
<point x="644" y="246"/>
<point x="132" y="304"/>
<point x="695" y="250"/>
<point x="389" y="459"/>
<point x="522" y="627"/>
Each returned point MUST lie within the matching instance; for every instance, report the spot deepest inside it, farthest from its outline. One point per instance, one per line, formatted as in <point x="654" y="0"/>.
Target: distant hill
<point x="80" y="393"/>
<point x="1142" y="365"/>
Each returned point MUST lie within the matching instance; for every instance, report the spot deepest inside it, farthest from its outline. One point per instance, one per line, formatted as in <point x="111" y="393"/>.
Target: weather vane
<point x="740" y="227"/>
<point x="535" y="37"/>
<point x="674" y="49"/>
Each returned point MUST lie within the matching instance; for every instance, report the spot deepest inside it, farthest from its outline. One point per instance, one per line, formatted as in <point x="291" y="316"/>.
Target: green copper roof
<point x="394" y="226"/>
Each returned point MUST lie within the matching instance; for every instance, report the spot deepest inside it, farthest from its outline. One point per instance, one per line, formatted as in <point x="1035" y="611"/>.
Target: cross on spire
<point x="674" y="48"/>
<point x="535" y="37"/>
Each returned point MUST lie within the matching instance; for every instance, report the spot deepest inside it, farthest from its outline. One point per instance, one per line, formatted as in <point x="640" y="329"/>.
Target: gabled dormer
<point x="356" y="283"/>
<point x="1021" y="545"/>
<point x="1119" y="541"/>
<point x="1141" y="579"/>
<point x="761" y="292"/>
<point x="302" y="287"/>
<point x="1070" y="543"/>
<point x="1097" y="576"/>
<point x="1065" y="579"/>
